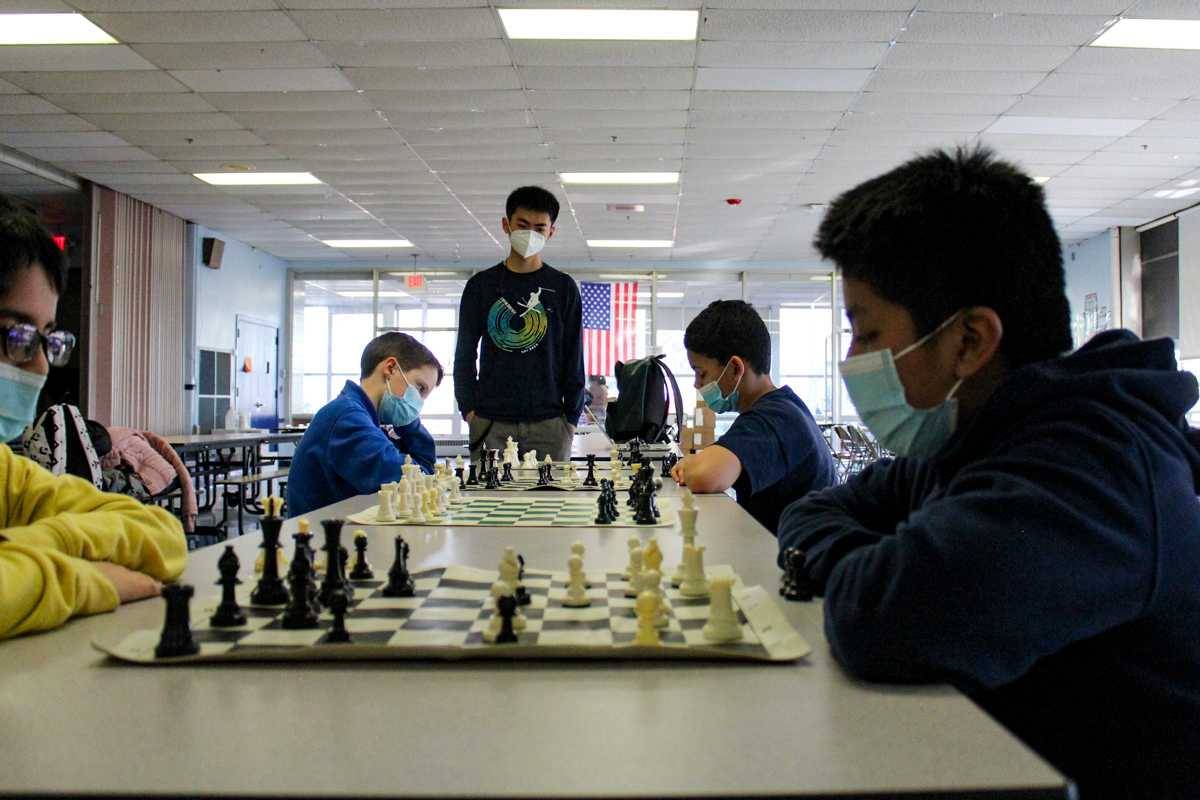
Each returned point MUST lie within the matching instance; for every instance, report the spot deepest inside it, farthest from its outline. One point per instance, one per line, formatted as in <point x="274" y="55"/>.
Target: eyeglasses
<point x="21" y="341"/>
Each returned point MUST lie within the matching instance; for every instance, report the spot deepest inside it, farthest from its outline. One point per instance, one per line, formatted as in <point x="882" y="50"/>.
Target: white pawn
<point x="614" y="456"/>
<point x="652" y="582"/>
<point x="646" y="608"/>
<point x="416" y="507"/>
<point x="577" y="595"/>
<point x="385" y="512"/>
<point x="632" y="543"/>
<point x="510" y="568"/>
<point x="569" y="475"/>
<point x="722" y="625"/>
<point x="694" y="583"/>
<point x="492" y="631"/>
<point x="635" y="572"/>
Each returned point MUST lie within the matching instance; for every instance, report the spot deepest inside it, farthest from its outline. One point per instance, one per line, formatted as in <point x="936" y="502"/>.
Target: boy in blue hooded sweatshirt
<point x="1037" y="541"/>
<point x="345" y="452"/>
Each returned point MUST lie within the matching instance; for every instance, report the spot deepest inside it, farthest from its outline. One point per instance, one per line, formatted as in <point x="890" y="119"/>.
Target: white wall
<point x="250" y="282"/>
<point x="1090" y="269"/>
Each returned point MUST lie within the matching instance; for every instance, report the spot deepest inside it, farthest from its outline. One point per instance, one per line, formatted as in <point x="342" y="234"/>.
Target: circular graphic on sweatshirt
<point x="518" y="330"/>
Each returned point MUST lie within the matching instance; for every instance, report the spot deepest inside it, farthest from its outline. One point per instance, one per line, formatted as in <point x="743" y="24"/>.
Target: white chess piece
<point x="569" y="476"/>
<point x="652" y="582"/>
<point x="722" y="625"/>
<point x="614" y="456"/>
<point x="646" y="608"/>
<point x="633" y="543"/>
<point x="510" y="568"/>
<point x="385" y="513"/>
<point x="577" y="595"/>
<point x="494" y="623"/>
<point x="635" y="572"/>
<point x="531" y="461"/>
<point x="687" y="526"/>
<point x="694" y="583"/>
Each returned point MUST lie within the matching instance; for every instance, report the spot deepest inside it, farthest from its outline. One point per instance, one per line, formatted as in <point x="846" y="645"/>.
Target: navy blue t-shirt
<point x="783" y="455"/>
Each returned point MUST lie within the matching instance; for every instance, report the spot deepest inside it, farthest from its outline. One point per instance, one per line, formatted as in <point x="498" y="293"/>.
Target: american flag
<point x="609" y="325"/>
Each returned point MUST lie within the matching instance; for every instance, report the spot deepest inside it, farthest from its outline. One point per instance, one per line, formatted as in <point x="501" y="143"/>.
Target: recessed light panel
<point x="1158" y="34"/>
<point x="617" y="178"/>
<point x="630" y="243"/>
<point x="342" y="244"/>
<point x="51" y="29"/>
<point x="599" y="23"/>
<point x="257" y="178"/>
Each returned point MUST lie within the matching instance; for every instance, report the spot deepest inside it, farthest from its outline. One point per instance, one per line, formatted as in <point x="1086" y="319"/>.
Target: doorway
<point x="256" y="365"/>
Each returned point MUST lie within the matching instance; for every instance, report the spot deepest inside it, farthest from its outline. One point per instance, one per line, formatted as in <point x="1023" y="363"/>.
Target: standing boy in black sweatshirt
<point x="1037" y="542"/>
<point x="530" y="380"/>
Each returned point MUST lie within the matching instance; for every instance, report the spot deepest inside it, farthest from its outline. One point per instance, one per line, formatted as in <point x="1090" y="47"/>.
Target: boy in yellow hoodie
<point x="66" y="548"/>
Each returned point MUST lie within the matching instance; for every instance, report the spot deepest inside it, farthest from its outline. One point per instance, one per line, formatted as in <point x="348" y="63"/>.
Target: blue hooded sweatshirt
<point x="1046" y="561"/>
<point x="345" y="453"/>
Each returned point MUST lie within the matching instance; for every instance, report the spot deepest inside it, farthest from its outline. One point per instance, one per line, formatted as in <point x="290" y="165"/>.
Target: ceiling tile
<point x="772" y="101"/>
<point x="953" y="81"/>
<point x="326" y="79"/>
<point x="602" y="54"/>
<point x="234" y="55"/>
<point x="648" y="101"/>
<point x="115" y="81"/>
<point x="800" y="120"/>
<point x="1139" y="158"/>
<point x="613" y="119"/>
<point x="399" y="25"/>
<point x="70" y="57"/>
<point x="1069" y="126"/>
<point x="445" y="101"/>
<point x="585" y="152"/>
<point x="1164" y="9"/>
<point x="1125" y="171"/>
<point x="189" y="138"/>
<point x="299" y="120"/>
<point x="236" y="153"/>
<point x="201" y="26"/>
<point x="1188" y="110"/>
<point x="882" y="121"/>
<point x="88" y="153"/>
<point x="665" y="78"/>
<point x="994" y="28"/>
<point x="776" y="80"/>
<point x="1028" y="6"/>
<point x="404" y="78"/>
<point x="1078" y="84"/>
<point x="1136" y="142"/>
<point x="163" y="122"/>
<point x="1133" y="61"/>
<point x="800" y="26"/>
<point x="1171" y="129"/>
<point x="174" y="5"/>
<point x="134" y="103"/>
<point x="44" y="122"/>
<point x="478" y="52"/>
<point x="568" y="134"/>
<point x="26" y="104"/>
<point x="846" y="55"/>
<point x="1021" y="141"/>
<point x="345" y="138"/>
<point x="86" y="168"/>
<point x="935" y="103"/>
<point x="1134" y="108"/>
<point x="62" y="139"/>
<point x="451" y="119"/>
<point x="981" y="57"/>
<point x="10" y="88"/>
<point x="288" y="101"/>
<point x="220" y="165"/>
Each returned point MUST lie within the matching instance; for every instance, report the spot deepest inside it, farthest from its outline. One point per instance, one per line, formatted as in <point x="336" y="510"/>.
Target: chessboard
<point x="527" y="481"/>
<point x="529" y="511"/>
<point x="451" y="607"/>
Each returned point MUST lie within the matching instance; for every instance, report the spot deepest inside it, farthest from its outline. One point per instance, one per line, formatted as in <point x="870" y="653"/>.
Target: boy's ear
<point x="504" y="226"/>
<point x="980" y="333"/>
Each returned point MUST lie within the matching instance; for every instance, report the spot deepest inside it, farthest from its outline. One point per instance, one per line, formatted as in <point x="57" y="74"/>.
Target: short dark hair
<point x="952" y="230"/>
<point x="730" y="328"/>
<point x="405" y="349"/>
<point x="24" y="243"/>
<point x="532" y="198"/>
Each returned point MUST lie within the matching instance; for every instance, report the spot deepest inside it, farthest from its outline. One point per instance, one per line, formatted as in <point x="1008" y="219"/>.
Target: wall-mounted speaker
<point x="212" y="250"/>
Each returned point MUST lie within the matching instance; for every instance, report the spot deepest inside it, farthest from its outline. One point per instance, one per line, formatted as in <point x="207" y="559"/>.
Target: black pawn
<point x="338" y="633"/>
<point x="507" y="604"/>
<point x="590" y="480"/>
<point x="473" y="477"/>
<point x="458" y="473"/>
<point x="795" y="584"/>
<point x="400" y="583"/>
<point x="521" y="593"/>
<point x="669" y="461"/>
<point x="601" y="510"/>
<point x="507" y="475"/>
<point x="635" y="451"/>
<point x="335" y="564"/>
<point x="299" y="612"/>
<point x="228" y="614"/>
<point x="270" y="590"/>
<point x="543" y="477"/>
<point x="304" y="545"/>
<point x="644" y="515"/>
<point x="362" y="570"/>
<point x="176" y="639"/>
<point x="493" y="479"/>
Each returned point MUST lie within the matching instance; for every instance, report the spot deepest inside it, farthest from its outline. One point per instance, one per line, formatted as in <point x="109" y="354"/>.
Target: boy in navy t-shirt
<point x="774" y="452"/>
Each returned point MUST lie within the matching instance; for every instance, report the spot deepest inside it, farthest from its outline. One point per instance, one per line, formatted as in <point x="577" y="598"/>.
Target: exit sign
<point x="414" y="281"/>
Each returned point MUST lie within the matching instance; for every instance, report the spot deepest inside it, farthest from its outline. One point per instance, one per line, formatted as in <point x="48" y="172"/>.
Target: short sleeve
<point x="753" y="439"/>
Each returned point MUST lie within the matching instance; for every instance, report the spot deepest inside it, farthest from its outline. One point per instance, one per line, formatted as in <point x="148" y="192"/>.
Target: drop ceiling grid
<point x="356" y="98"/>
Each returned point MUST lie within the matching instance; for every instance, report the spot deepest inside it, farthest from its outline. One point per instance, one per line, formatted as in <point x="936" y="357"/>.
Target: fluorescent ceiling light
<point x="598" y="23"/>
<point x="630" y="243"/>
<point x="427" y="274"/>
<point x="620" y="177"/>
<point x="1176" y="194"/>
<point x="821" y="278"/>
<point x="661" y="295"/>
<point x="1041" y="179"/>
<point x="378" y="243"/>
<point x="257" y="178"/>
<point x="1165" y="34"/>
<point x="51" y="29"/>
<point x="623" y="276"/>
<point x="372" y="294"/>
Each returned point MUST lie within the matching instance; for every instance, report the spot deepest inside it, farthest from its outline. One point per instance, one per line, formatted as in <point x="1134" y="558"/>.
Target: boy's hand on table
<point x="678" y="472"/>
<point x="130" y="584"/>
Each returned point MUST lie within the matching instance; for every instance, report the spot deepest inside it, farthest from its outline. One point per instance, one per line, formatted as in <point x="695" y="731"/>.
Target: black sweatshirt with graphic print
<point x="531" y="356"/>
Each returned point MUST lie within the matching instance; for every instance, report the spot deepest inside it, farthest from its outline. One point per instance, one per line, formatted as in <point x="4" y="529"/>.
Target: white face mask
<point x="527" y="243"/>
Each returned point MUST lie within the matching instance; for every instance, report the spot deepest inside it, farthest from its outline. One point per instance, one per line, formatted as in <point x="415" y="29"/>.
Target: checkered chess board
<point x="452" y="607"/>
<point x="532" y="510"/>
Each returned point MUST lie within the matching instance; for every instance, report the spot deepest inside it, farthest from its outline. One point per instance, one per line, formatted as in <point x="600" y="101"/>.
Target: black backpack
<point x="64" y="442"/>
<point x="643" y="400"/>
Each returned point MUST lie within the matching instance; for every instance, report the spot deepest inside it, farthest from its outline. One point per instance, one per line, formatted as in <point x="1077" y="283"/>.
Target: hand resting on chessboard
<point x="130" y="584"/>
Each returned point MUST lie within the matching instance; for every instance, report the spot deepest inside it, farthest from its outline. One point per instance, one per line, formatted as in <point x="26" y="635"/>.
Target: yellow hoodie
<point x="52" y="527"/>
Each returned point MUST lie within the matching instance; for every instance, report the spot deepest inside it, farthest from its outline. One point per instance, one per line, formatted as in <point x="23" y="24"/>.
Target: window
<point x="216" y="392"/>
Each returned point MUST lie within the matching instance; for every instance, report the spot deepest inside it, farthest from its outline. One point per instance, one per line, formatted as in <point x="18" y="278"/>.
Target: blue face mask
<point x="711" y="394"/>
<point x="875" y="389"/>
<point x="19" y="390"/>
<point x="400" y="411"/>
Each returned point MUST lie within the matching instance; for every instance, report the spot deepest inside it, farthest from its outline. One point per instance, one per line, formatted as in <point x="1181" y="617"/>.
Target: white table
<point x="73" y="723"/>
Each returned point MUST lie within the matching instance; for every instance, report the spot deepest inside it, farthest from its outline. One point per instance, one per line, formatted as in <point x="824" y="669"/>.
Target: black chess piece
<point x="300" y="612"/>
<point x="543" y="477"/>
<point x="635" y="488"/>
<point x="228" y="614"/>
<point x="507" y="604"/>
<point x="473" y="477"/>
<point x="590" y="480"/>
<point x="362" y="570"/>
<point x="601" y="515"/>
<point x="493" y="479"/>
<point x="176" y="639"/>
<point x="507" y="476"/>
<point x="270" y="590"/>
<point x="795" y="584"/>
<point x="304" y="544"/>
<point x="400" y="583"/>
<point x="338" y="633"/>
<point x="458" y="473"/>
<point x="635" y="452"/>
<point x="335" y="564"/>
<point x="644" y="514"/>
<point x="668" y="462"/>
<point x="521" y="593"/>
